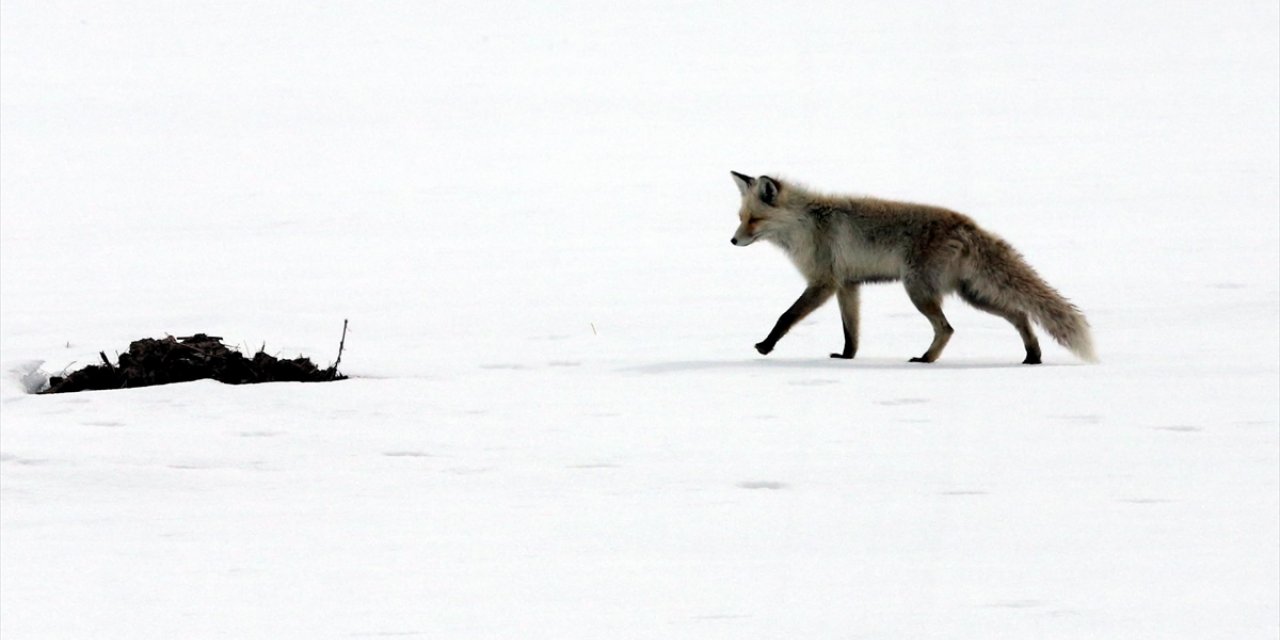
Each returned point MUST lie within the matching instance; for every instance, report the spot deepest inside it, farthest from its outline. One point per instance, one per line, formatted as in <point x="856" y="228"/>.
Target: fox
<point x="839" y="243"/>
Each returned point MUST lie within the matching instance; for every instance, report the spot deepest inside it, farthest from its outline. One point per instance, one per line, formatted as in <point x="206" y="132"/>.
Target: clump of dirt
<point x="150" y="361"/>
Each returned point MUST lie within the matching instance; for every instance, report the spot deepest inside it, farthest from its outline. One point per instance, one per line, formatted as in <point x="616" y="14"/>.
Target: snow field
<point x="558" y="427"/>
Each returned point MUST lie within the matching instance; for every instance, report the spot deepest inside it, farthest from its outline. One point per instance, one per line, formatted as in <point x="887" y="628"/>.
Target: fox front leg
<point x="847" y="297"/>
<point x="811" y="299"/>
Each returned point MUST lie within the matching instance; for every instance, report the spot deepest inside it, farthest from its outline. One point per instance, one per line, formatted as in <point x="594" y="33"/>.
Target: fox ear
<point x="768" y="189"/>
<point x="744" y="182"/>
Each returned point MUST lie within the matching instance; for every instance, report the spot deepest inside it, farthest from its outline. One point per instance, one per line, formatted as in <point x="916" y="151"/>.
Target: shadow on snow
<point x="830" y="364"/>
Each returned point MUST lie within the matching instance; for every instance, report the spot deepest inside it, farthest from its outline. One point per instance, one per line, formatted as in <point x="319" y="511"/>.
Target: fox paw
<point x="920" y="359"/>
<point x="842" y="356"/>
<point x="764" y="348"/>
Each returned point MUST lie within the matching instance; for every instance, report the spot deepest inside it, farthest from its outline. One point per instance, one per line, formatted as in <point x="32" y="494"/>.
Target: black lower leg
<point x="811" y="299"/>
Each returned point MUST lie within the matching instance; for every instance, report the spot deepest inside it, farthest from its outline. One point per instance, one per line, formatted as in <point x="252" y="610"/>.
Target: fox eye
<point x="754" y="220"/>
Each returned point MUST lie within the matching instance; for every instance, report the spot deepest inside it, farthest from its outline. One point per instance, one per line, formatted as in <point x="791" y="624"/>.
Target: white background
<point x="558" y="427"/>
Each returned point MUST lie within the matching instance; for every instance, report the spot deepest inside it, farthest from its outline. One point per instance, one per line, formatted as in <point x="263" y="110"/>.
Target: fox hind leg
<point x="929" y="302"/>
<point x="1017" y="318"/>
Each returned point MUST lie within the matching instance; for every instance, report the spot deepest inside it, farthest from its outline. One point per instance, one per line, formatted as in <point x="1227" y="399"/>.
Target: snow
<point x="558" y="427"/>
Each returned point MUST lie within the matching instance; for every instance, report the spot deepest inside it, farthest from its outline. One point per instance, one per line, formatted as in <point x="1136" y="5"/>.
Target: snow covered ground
<point x="558" y="427"/>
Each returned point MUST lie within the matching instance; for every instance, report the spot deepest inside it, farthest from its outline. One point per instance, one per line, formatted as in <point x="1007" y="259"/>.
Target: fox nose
<point x="733" y="241"/>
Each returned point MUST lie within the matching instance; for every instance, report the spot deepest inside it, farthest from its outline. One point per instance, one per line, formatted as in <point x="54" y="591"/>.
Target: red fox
<point x="841" y="242"/>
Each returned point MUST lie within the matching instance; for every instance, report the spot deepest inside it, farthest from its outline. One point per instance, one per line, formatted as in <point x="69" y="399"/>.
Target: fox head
<point x="760" y="215"/>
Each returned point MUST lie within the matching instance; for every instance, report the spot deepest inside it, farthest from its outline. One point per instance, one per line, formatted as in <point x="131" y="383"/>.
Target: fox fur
<point x="840" y="243"/>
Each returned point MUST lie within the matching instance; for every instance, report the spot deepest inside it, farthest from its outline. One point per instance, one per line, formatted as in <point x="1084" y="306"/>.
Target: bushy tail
<point x="1003" y="276"/>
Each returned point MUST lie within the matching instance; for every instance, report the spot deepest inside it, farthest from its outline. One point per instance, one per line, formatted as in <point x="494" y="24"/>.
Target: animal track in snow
<point x="814" y="382"/>
<point x="1086" y="418"/>
<point x="26" y="462"/>
<point x="1015" y="604"/>
<point x="1145" y="501"/>
<point x="900" y="402"/>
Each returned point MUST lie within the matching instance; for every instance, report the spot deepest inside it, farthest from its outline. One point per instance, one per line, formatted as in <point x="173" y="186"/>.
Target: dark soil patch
<point x="150" y="362"/>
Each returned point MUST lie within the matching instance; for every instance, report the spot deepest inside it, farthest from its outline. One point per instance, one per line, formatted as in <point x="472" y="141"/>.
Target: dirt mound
<point x="150" y="361"/>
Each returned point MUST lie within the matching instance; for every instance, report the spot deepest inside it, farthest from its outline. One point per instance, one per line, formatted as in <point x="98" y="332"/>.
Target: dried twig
<point x="341" y="344"/>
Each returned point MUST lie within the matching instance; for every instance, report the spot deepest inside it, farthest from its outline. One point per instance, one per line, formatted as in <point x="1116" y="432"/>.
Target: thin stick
<point x="341" y="343"/>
